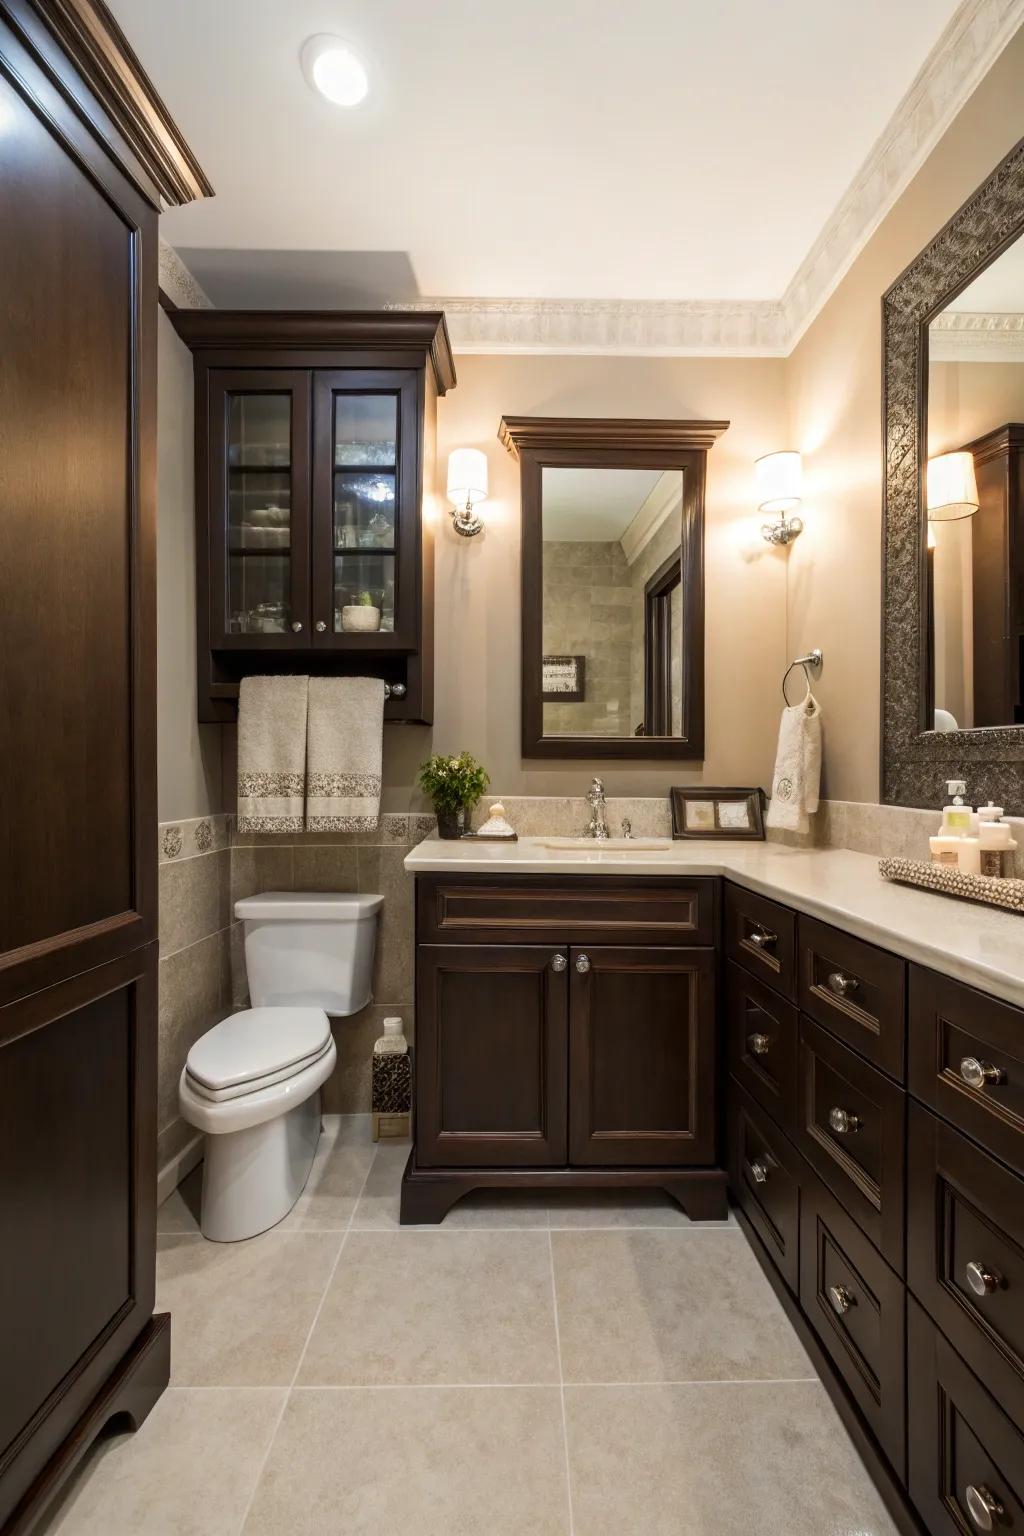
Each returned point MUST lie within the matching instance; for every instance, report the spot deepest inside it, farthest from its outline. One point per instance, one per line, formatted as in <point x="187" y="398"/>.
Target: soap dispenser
<point x="956" y="816"/>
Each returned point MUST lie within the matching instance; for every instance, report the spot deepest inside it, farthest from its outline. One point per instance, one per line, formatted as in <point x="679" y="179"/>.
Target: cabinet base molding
<point x="131" y="1391"/>
<point x="889" y="1487"/>
<point x="428" y="1194"/>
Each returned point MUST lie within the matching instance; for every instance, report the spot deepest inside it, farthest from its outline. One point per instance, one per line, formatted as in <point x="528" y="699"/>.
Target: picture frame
<point x="563" y="679"/>
<point x="700" y="811"/>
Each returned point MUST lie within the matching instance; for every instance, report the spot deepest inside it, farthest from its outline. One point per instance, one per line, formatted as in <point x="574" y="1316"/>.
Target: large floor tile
<point x="436" y="1308"/>
<point x="340" y="1168"/>
<point x="669" y="1306"/>
<point x="723" y="1460"/>
<point x="379" y="1205"/>
<point x="241" y="1312"/>
<point x="439" y="1462"/>
<point x="189" y="1471"/>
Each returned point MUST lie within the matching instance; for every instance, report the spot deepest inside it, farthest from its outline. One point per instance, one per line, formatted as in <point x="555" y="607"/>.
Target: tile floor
<point x="581" y="1367"/>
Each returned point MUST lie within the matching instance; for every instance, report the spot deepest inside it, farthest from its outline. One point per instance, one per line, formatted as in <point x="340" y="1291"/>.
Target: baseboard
<point x="178" y="1167"/>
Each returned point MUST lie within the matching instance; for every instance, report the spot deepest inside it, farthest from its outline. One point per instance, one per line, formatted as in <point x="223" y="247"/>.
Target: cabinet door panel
<point x="642" y="1057"/>
<point x="490" y="1056"/>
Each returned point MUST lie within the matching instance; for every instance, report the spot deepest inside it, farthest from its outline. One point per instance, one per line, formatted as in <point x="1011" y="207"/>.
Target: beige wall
<point x="968" y="400"/>
<point x="834" y="385"/>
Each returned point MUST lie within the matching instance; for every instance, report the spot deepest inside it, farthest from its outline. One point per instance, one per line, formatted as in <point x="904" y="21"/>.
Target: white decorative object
<point x="467" y="487"/>
<point x="943" y="878"/>
<point x="496" y="824"/>
<point x="359" y="618"/>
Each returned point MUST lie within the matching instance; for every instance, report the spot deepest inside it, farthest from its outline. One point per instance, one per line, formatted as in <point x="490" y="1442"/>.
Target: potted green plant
<point x="454" y="785"/>
<point x="362" y="615"/>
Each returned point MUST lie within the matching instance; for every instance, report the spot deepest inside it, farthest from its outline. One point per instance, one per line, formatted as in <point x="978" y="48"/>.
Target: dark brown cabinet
<point x="315" y="455"/>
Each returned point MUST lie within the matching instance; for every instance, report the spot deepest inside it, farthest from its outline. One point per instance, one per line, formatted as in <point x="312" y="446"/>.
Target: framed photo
<point x="703" y="812"/>
<point x="562" y="679"/>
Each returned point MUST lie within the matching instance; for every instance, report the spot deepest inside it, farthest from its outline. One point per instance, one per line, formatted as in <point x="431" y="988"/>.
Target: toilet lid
<point x="256" y="1043"/>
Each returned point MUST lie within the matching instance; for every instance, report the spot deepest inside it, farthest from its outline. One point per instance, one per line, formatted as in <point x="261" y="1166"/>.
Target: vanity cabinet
<point x="314" y="462"/>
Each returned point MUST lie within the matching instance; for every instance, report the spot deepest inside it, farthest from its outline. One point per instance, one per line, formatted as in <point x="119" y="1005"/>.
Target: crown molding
<point x="177" y="283"/>
<point x="539" y="434"/>
<point x="666" y="496"/>
<point x="973" y="337"/>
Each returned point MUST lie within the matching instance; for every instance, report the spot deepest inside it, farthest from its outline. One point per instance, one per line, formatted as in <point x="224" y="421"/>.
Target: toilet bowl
<point x="252" y="1083"/>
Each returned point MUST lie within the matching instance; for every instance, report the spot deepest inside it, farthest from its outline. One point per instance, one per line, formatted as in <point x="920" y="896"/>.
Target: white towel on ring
<point x="797" y="777"/>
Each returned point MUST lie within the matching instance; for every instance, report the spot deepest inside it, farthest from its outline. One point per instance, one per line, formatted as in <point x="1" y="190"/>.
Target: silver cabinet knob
<point x="319" y="626"/>
<point x="842" y="1299"/>
<point x="980" y="1074"/>
<point x="983" y="1506"/>
<point x="583" y="964"/>
<point x="981" y="1280"/>
<point x="762" y="938"/>
<point x="842" y="1122"/>
<point x="759" y="1044"/>
<point x="398" y="690"/>
<point x="759" y="1173"/>
<point x="558" y="962"/>
<point x="296" y="626"/>
<point x="842" y="985"/>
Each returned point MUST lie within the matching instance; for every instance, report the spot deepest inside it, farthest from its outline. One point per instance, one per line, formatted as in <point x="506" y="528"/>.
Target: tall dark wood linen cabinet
<point x="87" y="153"/>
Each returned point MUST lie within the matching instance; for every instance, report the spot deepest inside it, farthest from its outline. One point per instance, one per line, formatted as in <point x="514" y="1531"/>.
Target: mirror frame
<point x="580" y="442"/>
<point x="916" y="761"/>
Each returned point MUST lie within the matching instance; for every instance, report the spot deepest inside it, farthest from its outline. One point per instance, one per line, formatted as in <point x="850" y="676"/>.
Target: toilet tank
<point x="310" y="948"/>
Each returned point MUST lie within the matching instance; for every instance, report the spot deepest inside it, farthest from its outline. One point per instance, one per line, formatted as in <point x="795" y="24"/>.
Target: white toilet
<point x="252" y="1083"/>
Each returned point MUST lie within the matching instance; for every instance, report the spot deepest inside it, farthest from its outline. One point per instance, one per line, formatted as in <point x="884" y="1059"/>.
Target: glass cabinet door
<point x="260" y="467"/>
<point x="364" y="515"/>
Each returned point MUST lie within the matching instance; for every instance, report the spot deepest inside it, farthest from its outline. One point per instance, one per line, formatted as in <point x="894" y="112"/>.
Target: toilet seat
<point x="264" y="1100"/>
<point x="249" y="1050"/>
<point x="252" y="1085"/>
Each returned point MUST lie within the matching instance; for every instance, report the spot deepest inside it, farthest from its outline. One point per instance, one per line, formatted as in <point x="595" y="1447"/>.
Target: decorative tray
<point x="1007" y="894"/>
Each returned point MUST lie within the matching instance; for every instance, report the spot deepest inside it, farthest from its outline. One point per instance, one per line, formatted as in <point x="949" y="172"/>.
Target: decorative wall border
<point x="916" y="761"/>
<point x="177" y="283"/>
<point x="963" y="336"/>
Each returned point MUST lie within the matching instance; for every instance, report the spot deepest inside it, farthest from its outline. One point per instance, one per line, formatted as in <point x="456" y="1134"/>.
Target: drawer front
<point x="764" y="1174"/>
<point x="965" y="1458"/>
<point x="580" y="909"/>
<point x="965" y="1252"/>
<point x="967" y="1061"/>
<point x="763" y="1038"/>
<point x="855" y="1303"/>
<point x="851" y="1122"/>
<point x="856" y="991"/>
<point x="761" y="936"/>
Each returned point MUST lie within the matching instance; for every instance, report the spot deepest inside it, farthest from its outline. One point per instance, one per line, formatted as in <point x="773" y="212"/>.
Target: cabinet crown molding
<point x="569" y="432"/>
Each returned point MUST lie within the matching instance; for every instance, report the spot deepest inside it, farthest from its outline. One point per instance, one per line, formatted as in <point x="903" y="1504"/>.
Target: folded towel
<point x="343" y="754"/>
<point x="797" y="767"/>
<point x="271" y="753"/>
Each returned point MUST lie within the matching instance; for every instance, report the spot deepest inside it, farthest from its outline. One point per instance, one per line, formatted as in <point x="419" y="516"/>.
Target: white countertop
<point x="979" y="945"/>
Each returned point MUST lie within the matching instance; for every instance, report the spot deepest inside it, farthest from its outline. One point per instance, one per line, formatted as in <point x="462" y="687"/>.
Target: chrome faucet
<point x="627" y="827"/>
<point x="597" y="826"/>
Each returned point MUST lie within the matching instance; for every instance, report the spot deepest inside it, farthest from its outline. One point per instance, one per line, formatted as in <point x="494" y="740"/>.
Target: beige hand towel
<point x="797" y="774"/>
<point x="271" y="753"/>
<point x="343" y="755"/>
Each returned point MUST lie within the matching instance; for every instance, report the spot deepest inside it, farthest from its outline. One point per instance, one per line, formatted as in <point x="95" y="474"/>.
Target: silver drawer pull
<point x="583" y="964"/>
<point x="759" y="1044"/>
<point x="558" y="962"/>
<point x="842" y="1299"/>
<point x="763" y="938"/>
<point x="842" y="1122"/>
<point x="982" y="1280"/>
<point x="981" y="1074"/>
<point x="983" y="1506"/>
<point x="759" y="1173"/>
<point x="842" y="985"/>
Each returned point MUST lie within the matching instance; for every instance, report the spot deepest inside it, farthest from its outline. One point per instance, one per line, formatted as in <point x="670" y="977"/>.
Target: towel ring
<point x="813" y="660"/>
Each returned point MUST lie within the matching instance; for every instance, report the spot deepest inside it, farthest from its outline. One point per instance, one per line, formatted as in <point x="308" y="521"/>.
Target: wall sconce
<point x="952" y="487"/>
<point x="778" y="477"/>
<point x="467" y="484"/>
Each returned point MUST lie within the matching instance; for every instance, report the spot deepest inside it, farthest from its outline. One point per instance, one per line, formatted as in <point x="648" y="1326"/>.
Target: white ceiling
<point x="999" y="289"/>
<point x="664" y="150"/>
<point x="595" y="506"/>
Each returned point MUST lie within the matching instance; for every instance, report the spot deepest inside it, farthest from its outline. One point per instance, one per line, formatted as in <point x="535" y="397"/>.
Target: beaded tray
<point x="1007" y="894"/>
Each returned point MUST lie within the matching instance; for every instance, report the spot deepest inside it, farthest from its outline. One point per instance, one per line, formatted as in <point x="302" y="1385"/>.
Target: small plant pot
<point x="359" y="619"/>
<point x="450" y="824"/>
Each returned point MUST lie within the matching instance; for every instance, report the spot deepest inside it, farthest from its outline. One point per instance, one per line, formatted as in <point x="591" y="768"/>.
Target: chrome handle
<point x="842" y="1299"/>
<point x="296" y="626"/>
<point x="980" y="1074"/>
<point x="763" y="939"/>
<point x="558" y="962"/>
<point x="759" y="1173"/>
<point x="981" y="1280"/>
<point x="759" y="1044"/>
<point x="627" y="827"/>
<point x="397" y="691"/>
<point x="319" y="626"/>
<point x="583" y="964"/>
<point x="842" y="1122"/>
<point x="983" y="1506"/>
<point x="842" y="985"/>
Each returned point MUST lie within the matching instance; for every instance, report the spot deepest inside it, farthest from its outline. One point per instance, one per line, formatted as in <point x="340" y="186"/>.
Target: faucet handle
<point x="627" y="827"/>
<point x="596" y="789"/>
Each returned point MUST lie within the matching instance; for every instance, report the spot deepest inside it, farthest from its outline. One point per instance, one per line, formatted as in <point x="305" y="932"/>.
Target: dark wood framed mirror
<point x="953" y="539"/>
<point x="613" y="579"/>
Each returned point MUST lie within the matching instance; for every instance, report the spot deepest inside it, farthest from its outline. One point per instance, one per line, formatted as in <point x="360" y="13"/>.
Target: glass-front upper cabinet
<point x="259" y="469"/>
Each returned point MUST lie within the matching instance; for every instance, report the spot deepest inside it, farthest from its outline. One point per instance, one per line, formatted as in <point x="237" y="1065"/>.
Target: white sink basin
<point x="610" y="844"/>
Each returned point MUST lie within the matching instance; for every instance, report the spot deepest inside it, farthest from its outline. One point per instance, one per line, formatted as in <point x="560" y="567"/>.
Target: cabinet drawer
<point x="578" y="909"/>
<point x="967" y="1061"/>
<point x="764" y="1173"/>
<point x="965" y="1252"/>
<point x="851" y="1123"/>
<point x="761" y="936"/>
<point x="763" y="1037"/>
<point x="856" y="991"/>
<point x="965" y="1458"/>
<point x="855" y="1304"/>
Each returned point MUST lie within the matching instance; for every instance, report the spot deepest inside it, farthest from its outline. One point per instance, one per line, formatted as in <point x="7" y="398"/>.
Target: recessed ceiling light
<point x="332" y="68"/>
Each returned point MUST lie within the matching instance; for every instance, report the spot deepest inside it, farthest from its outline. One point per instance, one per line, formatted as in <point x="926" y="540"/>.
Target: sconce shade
<point x="467" y="476"/>
<point x="952" y="487"/>
<point x="778" y="477"/>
